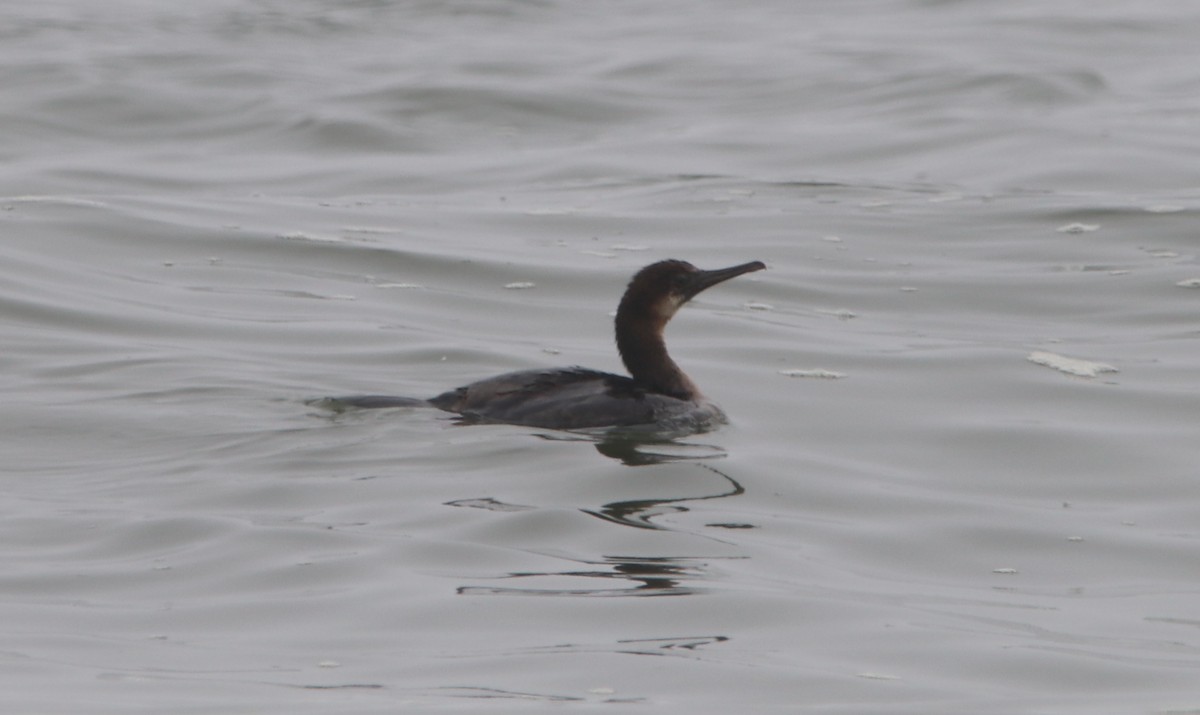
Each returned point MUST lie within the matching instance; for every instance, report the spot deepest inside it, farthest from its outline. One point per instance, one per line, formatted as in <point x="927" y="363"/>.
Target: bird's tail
<point x="368" y="402"/>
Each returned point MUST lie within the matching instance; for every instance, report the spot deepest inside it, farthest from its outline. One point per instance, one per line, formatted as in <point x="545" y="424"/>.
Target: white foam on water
<point x="1069" y="365"/>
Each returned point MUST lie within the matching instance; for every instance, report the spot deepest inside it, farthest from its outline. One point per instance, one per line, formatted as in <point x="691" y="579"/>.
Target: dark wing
<point x="570" y="398"/>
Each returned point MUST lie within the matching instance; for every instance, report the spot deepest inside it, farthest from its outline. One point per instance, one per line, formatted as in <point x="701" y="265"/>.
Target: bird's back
<point x="570" y="398"/>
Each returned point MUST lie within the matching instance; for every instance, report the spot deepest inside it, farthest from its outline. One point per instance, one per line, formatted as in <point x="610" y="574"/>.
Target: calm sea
<point x="962" y="470"/>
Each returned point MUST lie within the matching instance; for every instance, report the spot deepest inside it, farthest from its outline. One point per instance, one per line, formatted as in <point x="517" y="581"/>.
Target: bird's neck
<point x="644" y="353"/>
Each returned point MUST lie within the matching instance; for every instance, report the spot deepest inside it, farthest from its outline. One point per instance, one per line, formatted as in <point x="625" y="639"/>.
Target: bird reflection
<point x="640" y="449"/>
<point x="648" y="576"/>
<point x="628" y="575"/>
<point x="639" y="513"/>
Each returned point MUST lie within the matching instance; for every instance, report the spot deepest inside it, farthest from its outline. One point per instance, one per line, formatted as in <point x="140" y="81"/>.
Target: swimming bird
<point x="657" y="394"/>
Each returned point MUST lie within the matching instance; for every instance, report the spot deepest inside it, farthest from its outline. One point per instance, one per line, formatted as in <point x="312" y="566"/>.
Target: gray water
<point x="961" y="471"/>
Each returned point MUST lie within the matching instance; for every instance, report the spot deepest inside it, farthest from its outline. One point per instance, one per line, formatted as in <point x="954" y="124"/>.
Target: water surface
<point x="214" y="214"/>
